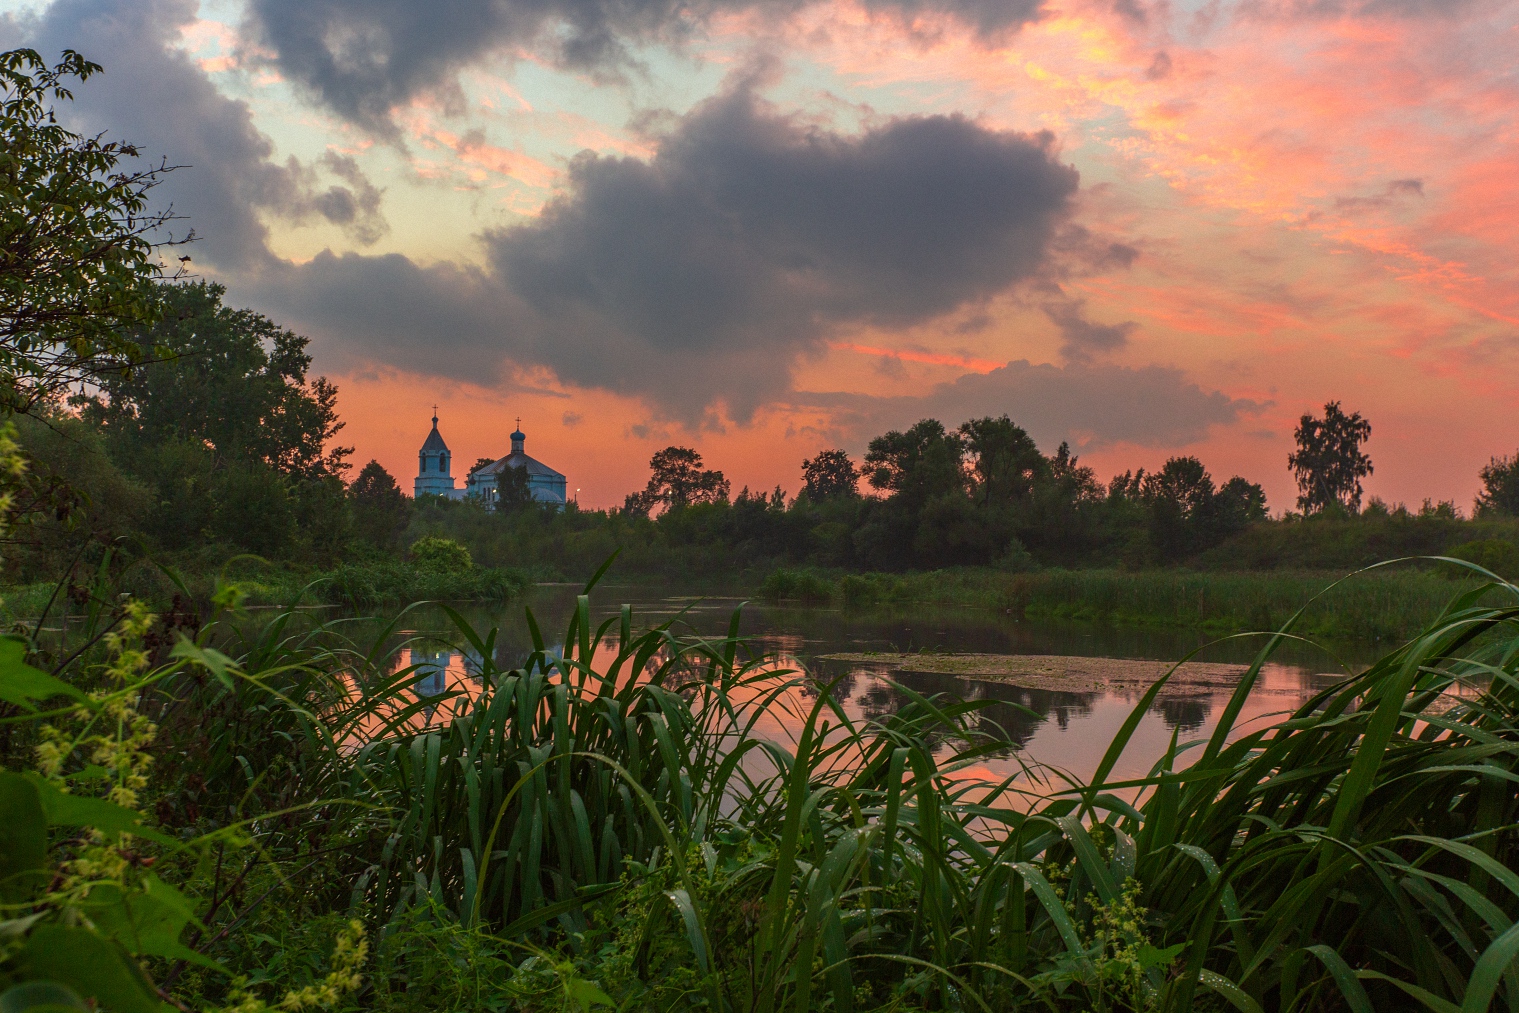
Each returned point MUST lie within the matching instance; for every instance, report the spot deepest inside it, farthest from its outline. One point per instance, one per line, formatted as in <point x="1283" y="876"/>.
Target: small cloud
<point x="1085" y="338"/>
<point x="572" y="419"/>
<point x="1393" y="191"/>
<point x="973" y="325"/>
<point x="1160" y="67"/>
<point x="890" y="366"/>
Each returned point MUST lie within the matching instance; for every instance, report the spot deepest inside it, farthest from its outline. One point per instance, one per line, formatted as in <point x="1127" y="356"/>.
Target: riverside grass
<point x="603" y="827"/>
<point x="358" y="585"/>
<point x="1376" y="605"/>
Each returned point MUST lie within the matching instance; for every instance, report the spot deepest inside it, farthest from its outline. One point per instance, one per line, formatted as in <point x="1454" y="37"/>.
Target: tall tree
<point x="677" y="479"/>
<point x="78" y="244"/>
<point x="1183" y="484"/>
<point x="1179" y="496"/>
<point x="1187" y="514"/>
<point x="1239" y="504"/>
<point x="1328" y="462"/>
<point x="1004" y="461"/>
<point x="920" y="463"/>
<point x="512" y="489"/>
<point x="830" y="475"/>
<point x="1500" y="487"/>
<point x="234" y="382"/>
<point x="380" y="509"/>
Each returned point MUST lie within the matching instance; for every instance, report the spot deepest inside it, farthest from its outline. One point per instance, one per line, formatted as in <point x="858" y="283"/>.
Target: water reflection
<point x="1069" y="731"/>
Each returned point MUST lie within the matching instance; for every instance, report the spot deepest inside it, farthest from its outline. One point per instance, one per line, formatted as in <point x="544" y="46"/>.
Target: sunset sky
<point x="765" y="227"/>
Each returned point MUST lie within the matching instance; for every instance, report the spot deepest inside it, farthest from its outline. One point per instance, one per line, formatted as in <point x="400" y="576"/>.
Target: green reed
<point x="609" y="816"/>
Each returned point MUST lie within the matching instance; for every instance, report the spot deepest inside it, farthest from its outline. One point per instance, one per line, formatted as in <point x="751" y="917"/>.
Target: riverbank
<point x="1375" y="605"/>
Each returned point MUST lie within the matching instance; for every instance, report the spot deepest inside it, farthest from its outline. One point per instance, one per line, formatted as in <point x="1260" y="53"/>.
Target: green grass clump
<point x="797" y="585"/>
<point x="369" y="584"/>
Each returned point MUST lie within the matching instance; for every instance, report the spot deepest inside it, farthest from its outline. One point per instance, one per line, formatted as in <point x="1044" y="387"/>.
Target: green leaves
<point x="76" y="239"/>
<point x="146" y="922"/>
<point x="23" y="685"/>
<point x="89" y="965"/>
<point x="23" y="837"/>
<point x="41" y="997"/>
<point x="95" y="965"/>
<point x="66" y="810"/>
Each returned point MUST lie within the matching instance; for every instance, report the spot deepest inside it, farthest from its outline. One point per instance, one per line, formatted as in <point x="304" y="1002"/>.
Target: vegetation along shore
<point x="1379" y="604"/>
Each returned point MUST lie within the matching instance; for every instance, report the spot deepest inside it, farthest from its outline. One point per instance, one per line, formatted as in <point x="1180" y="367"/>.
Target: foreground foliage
<point x="605" y="823"/>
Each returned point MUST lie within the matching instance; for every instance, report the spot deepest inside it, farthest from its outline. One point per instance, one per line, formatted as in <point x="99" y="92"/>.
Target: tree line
<point x="224" y="442"/>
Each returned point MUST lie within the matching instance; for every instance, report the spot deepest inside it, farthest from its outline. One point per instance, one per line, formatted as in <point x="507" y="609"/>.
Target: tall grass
<point x="616" y="822"/>
<point x="607" y="820"/>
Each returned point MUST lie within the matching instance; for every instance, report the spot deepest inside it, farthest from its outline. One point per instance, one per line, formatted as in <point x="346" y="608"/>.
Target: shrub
<point x="797" y="585"/>
<point x="1492" y="554"/>
<point x="443" y="555"/>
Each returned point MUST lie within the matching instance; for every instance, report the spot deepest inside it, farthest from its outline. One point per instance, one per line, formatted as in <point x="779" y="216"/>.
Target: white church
<point x="435" y="478"/>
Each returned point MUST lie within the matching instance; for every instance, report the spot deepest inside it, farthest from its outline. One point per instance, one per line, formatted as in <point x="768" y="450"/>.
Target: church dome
<point x="433" y="466"/>
<point x="434" y="443"/>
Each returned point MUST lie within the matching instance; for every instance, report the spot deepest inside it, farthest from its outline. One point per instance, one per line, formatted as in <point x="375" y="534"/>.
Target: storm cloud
<point x="705" y="273"/>
<point x="363" y="58"/>
<point x="155" y="96"/>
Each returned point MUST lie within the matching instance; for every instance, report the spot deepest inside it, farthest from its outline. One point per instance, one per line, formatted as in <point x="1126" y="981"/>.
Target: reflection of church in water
<point x="436" y="672"/>
<point x="435" y="472"/>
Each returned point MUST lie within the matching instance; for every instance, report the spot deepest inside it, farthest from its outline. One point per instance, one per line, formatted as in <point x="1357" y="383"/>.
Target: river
<point x="1045" y="730"/>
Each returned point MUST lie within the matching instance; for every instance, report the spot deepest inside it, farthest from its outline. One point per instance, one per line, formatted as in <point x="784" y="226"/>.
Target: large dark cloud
<point x="703" y="274"/>
<point x="155" y="96"/>
<point x="1090" y="405"/>
<point x="363" y="58"/>
<point x="1316" y="9"/>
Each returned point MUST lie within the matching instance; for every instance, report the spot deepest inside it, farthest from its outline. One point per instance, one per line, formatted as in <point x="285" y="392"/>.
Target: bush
<point x="797" y="585"/>
<point x="443" y="555"/>
<point x="1492" y="554"/>
<point x="377" y="583"/>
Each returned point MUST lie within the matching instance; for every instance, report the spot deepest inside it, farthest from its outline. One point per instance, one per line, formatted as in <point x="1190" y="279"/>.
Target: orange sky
<point x="1317" y="201"/>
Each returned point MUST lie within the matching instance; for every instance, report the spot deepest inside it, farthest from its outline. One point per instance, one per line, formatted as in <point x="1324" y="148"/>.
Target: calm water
<point x="1064" y="731"/>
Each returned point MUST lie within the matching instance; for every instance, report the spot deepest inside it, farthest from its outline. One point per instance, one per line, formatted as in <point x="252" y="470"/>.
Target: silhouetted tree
<point x="1179" y="496"/>
<point x="1004" y="460"/>
<point x="1500" y="488"/>
<point x="917" y="464"/>
<point x="380" y="509"/>
<point x="830" y="475"/>
<point x="1238" y="505"/>
<point x="235" y="384"/>
<point x="1184" y="484"/>
<point x="1188" y="515"/>
<point x="512" y="489"/>
<point x="1328" y="463"/>
<point x="678" y="479"/>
